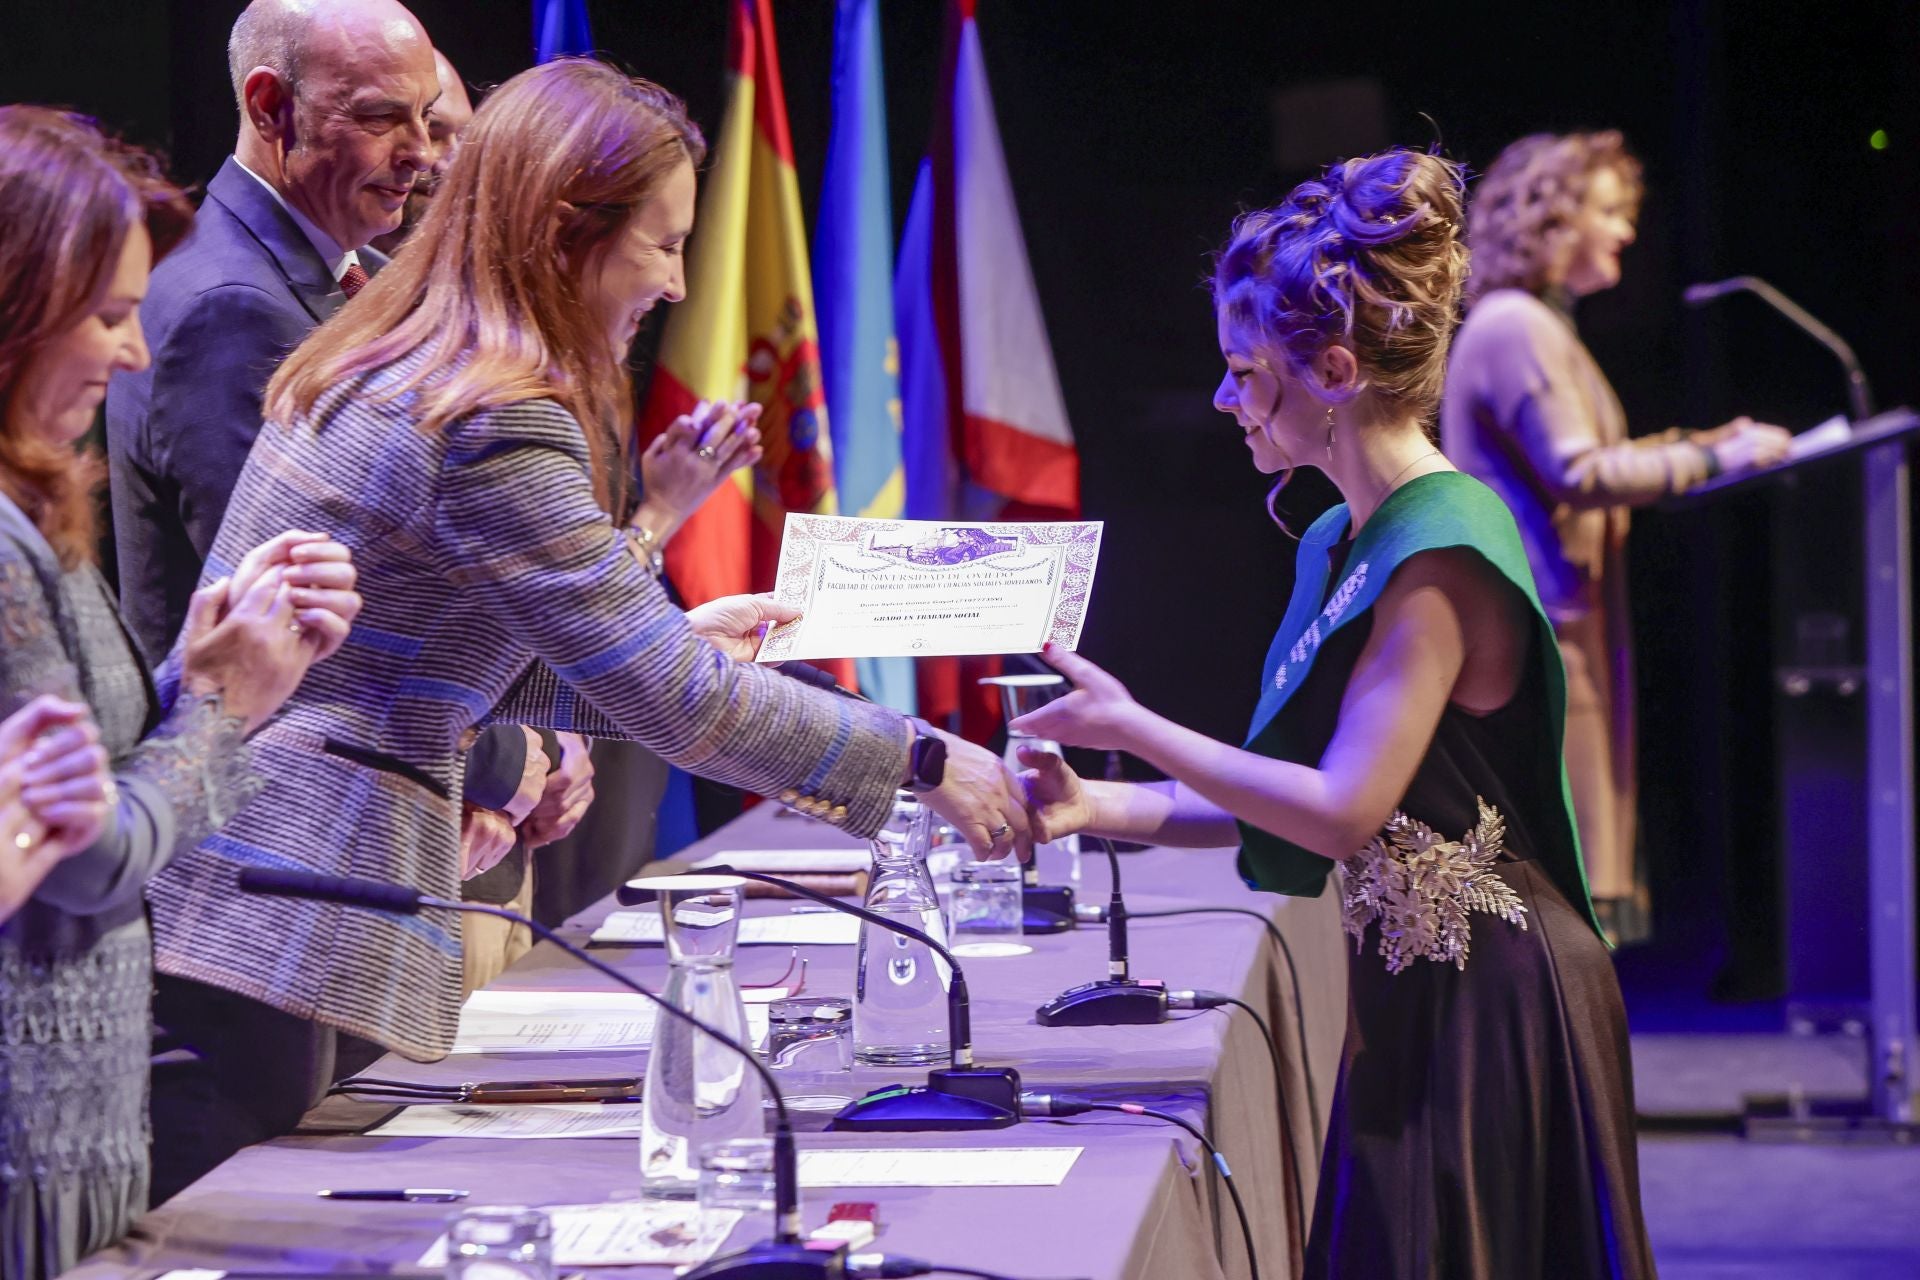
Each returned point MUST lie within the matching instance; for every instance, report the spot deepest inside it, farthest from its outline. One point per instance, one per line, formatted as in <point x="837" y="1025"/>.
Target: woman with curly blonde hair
<point x="1528" y="411"/>
<point x="1407" y="731"/>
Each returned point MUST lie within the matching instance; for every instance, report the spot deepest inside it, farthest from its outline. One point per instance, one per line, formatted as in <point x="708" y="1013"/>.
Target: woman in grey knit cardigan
<point x="85" y="218"/>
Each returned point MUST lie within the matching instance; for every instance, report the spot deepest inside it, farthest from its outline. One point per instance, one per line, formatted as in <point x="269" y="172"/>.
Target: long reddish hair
<point x="71" y="196"/>
<point x="488" y="287"/>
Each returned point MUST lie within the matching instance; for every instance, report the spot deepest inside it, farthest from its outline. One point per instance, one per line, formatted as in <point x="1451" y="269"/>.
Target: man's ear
<point x="266" y="102"/>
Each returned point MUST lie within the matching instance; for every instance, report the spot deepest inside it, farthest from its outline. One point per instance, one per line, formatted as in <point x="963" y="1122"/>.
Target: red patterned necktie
<point x="354" y="280"/>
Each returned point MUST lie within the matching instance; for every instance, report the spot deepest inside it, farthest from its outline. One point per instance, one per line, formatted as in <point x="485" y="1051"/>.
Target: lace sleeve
<point x="198" y="761"/>
<point x="176" y="786"/>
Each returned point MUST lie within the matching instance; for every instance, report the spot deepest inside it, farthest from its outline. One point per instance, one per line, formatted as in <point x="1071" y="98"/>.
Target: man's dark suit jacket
<point x="221" y="312"/>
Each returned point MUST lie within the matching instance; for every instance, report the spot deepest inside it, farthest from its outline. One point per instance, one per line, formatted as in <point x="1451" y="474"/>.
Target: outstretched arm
<point x="1406" y="675"/>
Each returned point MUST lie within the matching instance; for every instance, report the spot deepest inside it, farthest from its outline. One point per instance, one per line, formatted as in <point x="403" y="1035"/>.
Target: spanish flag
<point x="747" y="330"/>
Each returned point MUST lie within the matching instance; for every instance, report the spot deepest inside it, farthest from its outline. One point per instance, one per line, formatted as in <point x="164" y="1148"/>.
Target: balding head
<point x="334" y="97"/>
<point x="277" y="34"/>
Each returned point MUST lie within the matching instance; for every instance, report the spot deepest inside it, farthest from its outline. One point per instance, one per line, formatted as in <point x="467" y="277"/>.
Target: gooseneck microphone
<point x="1117" y="1000"/>
<point x="785" y="1255"/>
<point x="958" y="1096"/>
<point x="1859" y="397"/>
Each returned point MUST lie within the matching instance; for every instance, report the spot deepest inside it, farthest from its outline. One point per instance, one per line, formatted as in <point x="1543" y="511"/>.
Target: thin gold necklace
<point x="1431" y="453"/>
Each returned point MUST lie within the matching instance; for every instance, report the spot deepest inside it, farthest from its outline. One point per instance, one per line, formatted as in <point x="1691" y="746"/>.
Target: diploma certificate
<point x="931" y="588"/>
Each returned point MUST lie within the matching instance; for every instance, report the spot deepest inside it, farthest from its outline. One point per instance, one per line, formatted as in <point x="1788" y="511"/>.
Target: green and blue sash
<point x="1439" y="510"/>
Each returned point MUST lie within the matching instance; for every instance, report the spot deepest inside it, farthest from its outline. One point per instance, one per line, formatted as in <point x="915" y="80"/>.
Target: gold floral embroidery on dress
<point x="1422" y="889"/>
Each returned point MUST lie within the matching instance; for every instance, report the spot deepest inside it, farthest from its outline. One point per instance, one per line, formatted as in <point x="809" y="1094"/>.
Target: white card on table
<point x="529" y="1120"/>
<point x="807" y="929"/>
<point x="937" y="1166"/>
<point x="566" y="1022"/>
<point x="626" y="1233"/>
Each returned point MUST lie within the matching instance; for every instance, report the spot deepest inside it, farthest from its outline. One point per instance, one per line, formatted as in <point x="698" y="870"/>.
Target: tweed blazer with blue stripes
<point x="495" y="588"/>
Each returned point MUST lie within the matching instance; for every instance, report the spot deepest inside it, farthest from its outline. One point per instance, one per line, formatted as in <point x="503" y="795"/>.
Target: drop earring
<point x="1329" y="433"/>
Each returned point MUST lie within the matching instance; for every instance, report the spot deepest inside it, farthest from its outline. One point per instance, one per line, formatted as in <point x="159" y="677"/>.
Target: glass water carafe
<point x="697" y="1090"/>
<point x="900" y="992"/>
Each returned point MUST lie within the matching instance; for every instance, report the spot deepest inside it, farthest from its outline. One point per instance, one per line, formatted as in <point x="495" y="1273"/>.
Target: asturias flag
<point x="746" y="330"/>
<point x="986" y="426"/>
<point x="852" y="268"/>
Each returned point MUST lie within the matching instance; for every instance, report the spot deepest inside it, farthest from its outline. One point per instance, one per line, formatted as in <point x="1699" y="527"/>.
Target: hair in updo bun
<point x="1372" y="252"/>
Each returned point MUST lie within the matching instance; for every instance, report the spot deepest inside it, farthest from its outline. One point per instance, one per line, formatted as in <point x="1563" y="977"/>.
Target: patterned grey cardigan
<point x="495" y="588"/>
<point x="76" y="977"/>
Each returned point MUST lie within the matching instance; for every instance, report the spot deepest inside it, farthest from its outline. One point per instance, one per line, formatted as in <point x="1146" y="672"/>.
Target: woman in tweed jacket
<point x="461" y="426"/>
<point x="84" y="220"/>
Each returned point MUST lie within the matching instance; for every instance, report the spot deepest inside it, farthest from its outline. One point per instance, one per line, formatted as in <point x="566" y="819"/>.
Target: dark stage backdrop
<point x="1135" y="130"/>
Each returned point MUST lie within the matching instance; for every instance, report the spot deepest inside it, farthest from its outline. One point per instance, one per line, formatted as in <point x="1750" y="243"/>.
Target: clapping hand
<point x="565" y="798"/>
<point x="55" y="793"/>
<point x="320" y="577"/>
<point x="734" y="624"/>
<point x="486" y="836"/>
<point x="686" y="462"/>
<point x="1099" y="713"/>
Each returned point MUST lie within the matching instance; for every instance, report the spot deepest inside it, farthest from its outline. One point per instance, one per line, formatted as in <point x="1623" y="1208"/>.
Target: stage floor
<point x="1721" y="1208"/>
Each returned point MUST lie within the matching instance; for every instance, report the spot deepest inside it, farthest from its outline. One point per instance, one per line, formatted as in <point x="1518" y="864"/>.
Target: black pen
<point x="435" y="1195"/>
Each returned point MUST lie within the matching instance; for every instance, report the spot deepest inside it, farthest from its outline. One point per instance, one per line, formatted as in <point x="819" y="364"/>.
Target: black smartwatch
<point x="926" y="758"/>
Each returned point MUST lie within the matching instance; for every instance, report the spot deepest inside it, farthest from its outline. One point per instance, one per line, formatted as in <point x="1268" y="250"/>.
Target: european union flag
<point x="560" y="28"/>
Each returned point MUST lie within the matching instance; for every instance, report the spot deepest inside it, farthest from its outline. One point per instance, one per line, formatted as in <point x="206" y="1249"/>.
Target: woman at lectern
<point x="1529" y="412"/>
<point x="1408" y="731"/>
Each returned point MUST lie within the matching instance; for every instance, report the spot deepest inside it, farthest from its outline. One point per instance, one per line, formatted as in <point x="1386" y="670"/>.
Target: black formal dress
<point x="1482" y="1123"/>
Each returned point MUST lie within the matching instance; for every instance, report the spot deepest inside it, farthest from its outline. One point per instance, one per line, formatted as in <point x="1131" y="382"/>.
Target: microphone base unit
<point x="1046" y="908"/>
<point x="771" y="1260"/>
<point x="952" y="1099"/>
<point x="1112" y="1003"/>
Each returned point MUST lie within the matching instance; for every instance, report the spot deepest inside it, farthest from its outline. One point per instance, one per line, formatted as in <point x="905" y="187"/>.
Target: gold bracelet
<point x="649" y="549"/>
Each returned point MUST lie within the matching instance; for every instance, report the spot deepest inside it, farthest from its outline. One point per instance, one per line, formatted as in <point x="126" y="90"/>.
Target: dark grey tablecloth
<point x="1139" y="1204"/>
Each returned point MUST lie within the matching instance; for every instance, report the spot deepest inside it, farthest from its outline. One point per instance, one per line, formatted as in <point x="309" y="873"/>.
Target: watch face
<point x="929" y="761"/>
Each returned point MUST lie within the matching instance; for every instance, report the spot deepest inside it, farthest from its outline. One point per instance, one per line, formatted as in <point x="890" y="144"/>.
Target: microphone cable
<point x="872" y="1266"/>
<point x="1219" y="1162"/>
<point x="1293" y="975"/>
<point x="1063" y="1104"/>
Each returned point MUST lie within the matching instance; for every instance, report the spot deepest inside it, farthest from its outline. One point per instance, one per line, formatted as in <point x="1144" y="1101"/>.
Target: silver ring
<point x="1000" y="832"/>
<point x="295" y="627"/>
<point x="705" y="451"/>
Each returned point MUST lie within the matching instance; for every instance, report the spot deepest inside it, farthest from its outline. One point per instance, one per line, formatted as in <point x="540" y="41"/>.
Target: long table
<point x="1141" y="1202"/>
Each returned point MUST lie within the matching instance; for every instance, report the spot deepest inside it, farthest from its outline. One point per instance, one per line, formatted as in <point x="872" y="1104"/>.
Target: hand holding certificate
<point x="931" y="588"/>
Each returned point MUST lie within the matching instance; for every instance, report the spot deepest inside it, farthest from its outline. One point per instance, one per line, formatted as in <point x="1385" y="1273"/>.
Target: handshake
<point x="999" y="811"/>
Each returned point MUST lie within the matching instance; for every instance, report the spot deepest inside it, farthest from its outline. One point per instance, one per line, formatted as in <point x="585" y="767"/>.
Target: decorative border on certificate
<point x="826" y="561"/>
